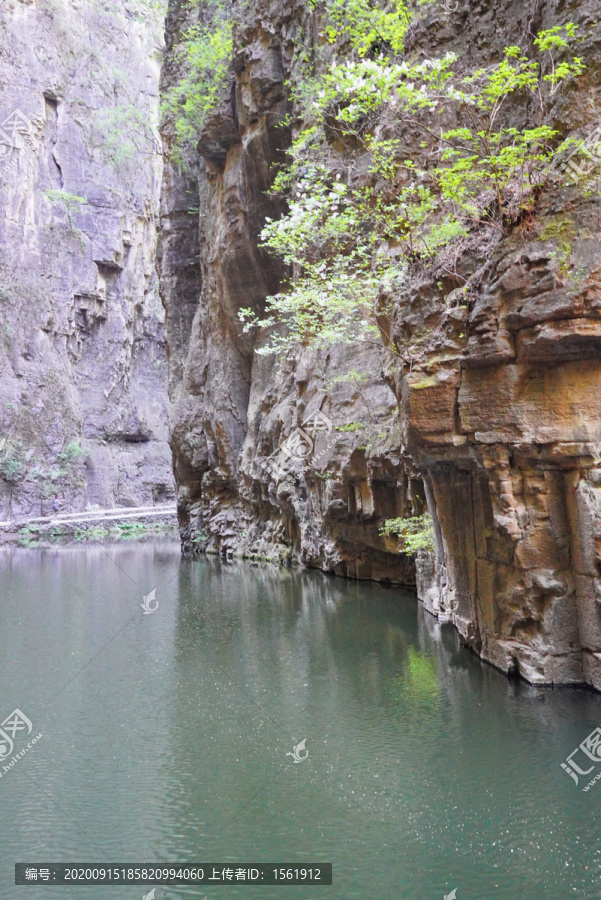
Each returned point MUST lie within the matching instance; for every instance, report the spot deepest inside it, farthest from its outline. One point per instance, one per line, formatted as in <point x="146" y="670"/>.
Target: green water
<point x="165" y="736"/>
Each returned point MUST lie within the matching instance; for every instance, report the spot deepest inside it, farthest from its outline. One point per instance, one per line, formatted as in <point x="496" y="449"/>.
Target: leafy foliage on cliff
<point x="365" y="201"/>
<point x="204" y="54"/>
<point x="71" y="202"/>
<point x="12" y="462"/>
<point x="365" y="25"/>
<point x="363" y="206"/>
<point x="415" y="532"/>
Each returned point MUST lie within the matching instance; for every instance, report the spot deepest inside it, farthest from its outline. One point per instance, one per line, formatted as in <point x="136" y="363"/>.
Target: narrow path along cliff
<point x="81" y="524"/>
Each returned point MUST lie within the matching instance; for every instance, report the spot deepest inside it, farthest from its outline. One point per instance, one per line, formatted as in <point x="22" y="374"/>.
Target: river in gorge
<point x="168" y="736"/>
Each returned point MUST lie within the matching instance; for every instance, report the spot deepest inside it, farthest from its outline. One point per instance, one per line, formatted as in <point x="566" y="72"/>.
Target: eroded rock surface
<point x="83" y="401"/>
<point x="506" y="435"/>
<point x="231" y="409"/>
<point x="493" y="425"/>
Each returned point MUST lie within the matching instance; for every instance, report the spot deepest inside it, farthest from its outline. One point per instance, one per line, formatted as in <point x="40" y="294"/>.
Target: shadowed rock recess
<point x="83" y="399"/>
<point x="493" y="427"/>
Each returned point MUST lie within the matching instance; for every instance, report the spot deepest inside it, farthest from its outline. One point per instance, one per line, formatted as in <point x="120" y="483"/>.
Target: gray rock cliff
<point x="83" y="400"/>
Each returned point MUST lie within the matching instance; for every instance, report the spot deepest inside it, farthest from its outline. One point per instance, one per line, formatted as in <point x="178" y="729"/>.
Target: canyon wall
<point x="83" y="399"/>
<point x="493" y="426"/>
<point x="231" y="409"/>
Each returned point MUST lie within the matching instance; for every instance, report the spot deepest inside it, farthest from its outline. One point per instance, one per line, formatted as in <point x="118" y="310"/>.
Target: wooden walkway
<point x="92" y="517"/>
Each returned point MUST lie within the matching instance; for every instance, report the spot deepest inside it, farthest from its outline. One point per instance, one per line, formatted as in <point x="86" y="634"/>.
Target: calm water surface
<point x="165" y="736"/>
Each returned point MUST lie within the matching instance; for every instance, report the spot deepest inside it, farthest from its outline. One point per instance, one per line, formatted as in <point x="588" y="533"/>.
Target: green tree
<point x="204" y="55"/>
<point x="415" y="532"/>
<point x="13" y="467"/>
<point x="350" y="242"/>
<point x="71" y="203"/>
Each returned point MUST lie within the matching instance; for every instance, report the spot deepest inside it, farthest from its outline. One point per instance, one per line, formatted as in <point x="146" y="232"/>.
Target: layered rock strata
<point x="493" y="426"/>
